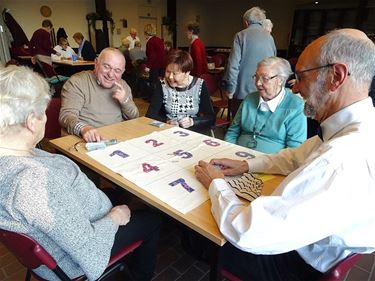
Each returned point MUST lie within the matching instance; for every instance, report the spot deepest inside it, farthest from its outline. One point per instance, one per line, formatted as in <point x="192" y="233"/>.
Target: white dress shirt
<point x="65" y="54"/>
<point x="324" y="208"/>
<point x="271" y="105"/>
<point x="132" y="41"/>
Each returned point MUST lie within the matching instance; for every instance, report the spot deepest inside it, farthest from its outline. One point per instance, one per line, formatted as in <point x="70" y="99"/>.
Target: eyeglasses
<point x="298" y="73"/>
<point x="263" y="79"/>
<point x="108" y="68"/>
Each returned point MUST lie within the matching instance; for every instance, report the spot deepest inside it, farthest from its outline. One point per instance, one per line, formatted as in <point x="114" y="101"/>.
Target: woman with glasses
<point x="271" y="118"/>
<point x="182" y="99"/>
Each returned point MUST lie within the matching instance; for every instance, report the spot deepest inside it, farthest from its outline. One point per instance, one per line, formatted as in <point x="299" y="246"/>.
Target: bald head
<point x="335" y="71"/>
<point x="109" y="66"/>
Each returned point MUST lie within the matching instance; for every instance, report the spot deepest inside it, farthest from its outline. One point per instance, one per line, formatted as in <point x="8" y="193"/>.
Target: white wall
<point x="221" y="19"/>
<point x="69" y="14"/>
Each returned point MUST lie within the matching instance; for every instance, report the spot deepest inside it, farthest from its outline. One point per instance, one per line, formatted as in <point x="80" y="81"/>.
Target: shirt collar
<point x="354" y="113"/>
<point x="193" y="38"/>
<point x="271" y="105"/>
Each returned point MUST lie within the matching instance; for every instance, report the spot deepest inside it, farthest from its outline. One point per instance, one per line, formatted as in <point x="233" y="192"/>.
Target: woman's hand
<point x="186" y="122"/>
<point x="120" y="215"/>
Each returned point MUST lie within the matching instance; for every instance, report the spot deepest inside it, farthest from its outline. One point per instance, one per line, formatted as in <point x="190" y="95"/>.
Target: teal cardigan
<point x="286" y="127"/>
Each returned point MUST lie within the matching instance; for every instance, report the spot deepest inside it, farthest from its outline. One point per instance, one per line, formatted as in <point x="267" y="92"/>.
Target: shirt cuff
<point x="257" y="164"/>
<point x="77" y="128"/>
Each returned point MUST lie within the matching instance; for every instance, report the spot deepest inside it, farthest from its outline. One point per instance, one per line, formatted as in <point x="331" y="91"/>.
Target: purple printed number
<point x="211" y="143"/>
<point x="155" y="143"/>
<point x="244" y="154"/>
<point x="183" y="154"/>
<point x="119" y="153"/>
<point x="149" y="168"/>
<point x="183" y="183"/>
<point x="181" y="133"/>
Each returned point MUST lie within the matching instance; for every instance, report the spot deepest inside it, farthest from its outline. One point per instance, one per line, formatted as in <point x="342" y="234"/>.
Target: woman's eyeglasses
<point x="263" y="79"/>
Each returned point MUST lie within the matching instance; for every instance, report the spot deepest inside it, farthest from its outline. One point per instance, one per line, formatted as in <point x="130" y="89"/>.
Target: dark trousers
<point x="143" y="225"/>
<point x="283" y="267"/>
<point x="288" y="266"/>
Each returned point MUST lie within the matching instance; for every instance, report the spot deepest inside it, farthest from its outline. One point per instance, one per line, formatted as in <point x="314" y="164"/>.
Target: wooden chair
<point x="32" y="255"/>
<point x="336" y="273"/>
<point x="55" y="80"/>
<point x="220" y="106"/>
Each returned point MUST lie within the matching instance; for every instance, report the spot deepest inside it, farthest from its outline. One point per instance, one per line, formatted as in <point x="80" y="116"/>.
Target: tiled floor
<point x="173" y="263"/>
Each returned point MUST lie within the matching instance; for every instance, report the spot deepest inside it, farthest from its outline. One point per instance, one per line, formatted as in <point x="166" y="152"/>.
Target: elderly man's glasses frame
<point x="298" y="73"/>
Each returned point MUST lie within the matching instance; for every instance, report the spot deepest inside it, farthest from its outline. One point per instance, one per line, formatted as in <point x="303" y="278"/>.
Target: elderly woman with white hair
<point x="47" y="197"/>
<point x="271" y="118"/>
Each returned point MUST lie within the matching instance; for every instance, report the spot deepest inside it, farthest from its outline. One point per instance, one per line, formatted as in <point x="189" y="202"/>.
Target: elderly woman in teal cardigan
<point x="271" y="118"/>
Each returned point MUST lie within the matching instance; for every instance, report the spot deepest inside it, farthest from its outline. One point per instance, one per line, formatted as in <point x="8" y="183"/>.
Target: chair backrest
<point x="53" y="129"/>
<point x="47" y="69"/>
<point x="212" y="83"/>
<point x="28" y="252"/>
<point x="339" y="271"/>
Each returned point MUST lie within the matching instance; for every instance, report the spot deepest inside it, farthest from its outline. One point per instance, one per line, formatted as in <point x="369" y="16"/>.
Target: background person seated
<point x="85" y="50"/>
<point x="271" y="118"/>
<point x="64" y="49"/>
<point x="92" y="99"/>
<point x="48" y="198"/>
<point x="181" y="99"/>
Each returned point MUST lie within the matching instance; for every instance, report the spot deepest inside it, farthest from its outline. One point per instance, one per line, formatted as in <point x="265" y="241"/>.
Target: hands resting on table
<point x="218" y="168"/>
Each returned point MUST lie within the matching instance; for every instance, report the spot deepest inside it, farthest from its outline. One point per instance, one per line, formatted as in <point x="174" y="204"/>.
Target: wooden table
<point x="68" y="67"/>
<point x="199" y="219"/>
<point x="77" y="63"/>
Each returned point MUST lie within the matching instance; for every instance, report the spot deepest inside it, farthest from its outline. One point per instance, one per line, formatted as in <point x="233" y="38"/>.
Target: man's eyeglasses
<point x="263" y="79"/>
<point x="108" y="68"/>
<point x="298" y="73"/>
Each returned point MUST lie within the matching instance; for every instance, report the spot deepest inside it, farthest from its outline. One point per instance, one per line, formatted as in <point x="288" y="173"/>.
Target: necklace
<point x="252" y="143"/>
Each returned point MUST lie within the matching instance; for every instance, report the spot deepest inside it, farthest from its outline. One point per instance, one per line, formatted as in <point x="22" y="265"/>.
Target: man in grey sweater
<point x="92" y="99"/>
<point x="250" y="46"/>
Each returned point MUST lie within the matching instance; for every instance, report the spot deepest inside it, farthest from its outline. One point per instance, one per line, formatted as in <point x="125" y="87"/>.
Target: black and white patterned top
<point x="193" y="101"/>
<point x="182" y="102"/>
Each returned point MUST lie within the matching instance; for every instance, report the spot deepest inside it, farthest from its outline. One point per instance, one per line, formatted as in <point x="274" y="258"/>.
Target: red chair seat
<point x="32" y="255"/>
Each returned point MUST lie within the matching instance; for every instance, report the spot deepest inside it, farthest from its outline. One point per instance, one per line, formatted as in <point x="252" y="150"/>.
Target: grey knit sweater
<point x="47" y="197"/>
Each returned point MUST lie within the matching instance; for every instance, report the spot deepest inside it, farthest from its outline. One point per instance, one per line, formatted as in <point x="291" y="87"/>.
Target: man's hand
<point x="229" y="95"/>
<point x="205" y="173"/>
<point x="90" y="134"/>
<point x="120" y="215"/>
<point x="231" y="167"/>
<point x="120" y="94"/>
<point x="186" y="122"/>
<point x="33" y="60"/>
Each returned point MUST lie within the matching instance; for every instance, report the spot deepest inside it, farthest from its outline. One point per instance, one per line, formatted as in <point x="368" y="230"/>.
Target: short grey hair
<point x="22" y="92"/>
<point x="357" y="53"/>
<point x="267" y="25"/>
<point x="280" y="65"/>
<point x="254" y="15"/>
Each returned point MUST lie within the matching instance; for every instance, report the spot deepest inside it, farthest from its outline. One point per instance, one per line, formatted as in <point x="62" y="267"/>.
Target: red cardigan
<point x="199" y="56"/>
<point x="155" y="53"/>
<point x="40" y="43"/>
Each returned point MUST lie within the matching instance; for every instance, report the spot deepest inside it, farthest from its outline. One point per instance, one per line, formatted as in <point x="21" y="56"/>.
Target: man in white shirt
<point x="323" y="211"/>
<point x="132" y="38"/>
<point x="64" y="49"/>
